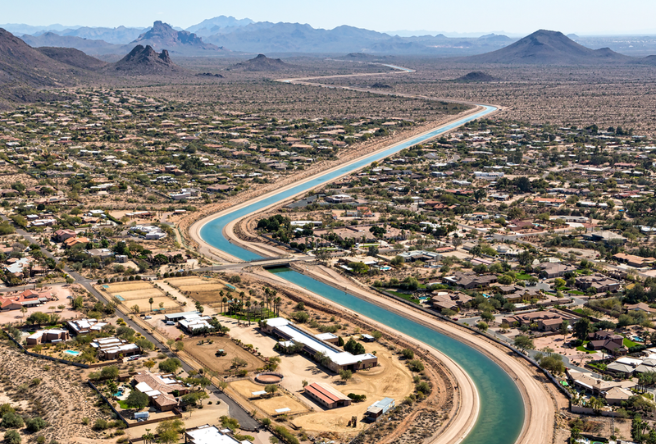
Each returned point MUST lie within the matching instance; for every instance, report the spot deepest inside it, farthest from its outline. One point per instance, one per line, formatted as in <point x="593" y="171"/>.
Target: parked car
<point x="170" y="323"/>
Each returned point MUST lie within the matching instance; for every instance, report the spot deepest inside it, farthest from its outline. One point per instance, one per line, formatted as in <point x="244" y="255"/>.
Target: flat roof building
<point x="339" y="359"/>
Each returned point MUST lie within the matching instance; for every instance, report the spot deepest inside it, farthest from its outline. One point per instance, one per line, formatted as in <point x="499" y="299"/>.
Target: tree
<point x="416" y="366"/>
<point x="179" y="346"/>
<point x="354" y="348"/>
<point x="524" y="342"/>
<point x="582" y="329"/>
<point x="168" y="431"/>
<point x="137" y="400"/>
<point x="553" y="363"/>
<point x="150" y="301"/>
<point x="564" y="329"/>
<point x="482" y="326"/>
<point x="170" y="365"/>
<point x="345" y="375"/>
<point x="271" y="389"/>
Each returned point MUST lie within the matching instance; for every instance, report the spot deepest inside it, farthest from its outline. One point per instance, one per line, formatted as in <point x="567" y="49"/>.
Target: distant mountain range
<point x="245" y="35"/>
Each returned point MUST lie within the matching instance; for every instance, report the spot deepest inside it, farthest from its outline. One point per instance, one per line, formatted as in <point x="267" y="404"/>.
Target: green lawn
<point x="522" y="276"/>
<point x="407" y="297"/>
<point x="582" y="348"/>
<point x="253" y="318"/>
<point x="629" y="343"/>
<point x="123" y="404"/>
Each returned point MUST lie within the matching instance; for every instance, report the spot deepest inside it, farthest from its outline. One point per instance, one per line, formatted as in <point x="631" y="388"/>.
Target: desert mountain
<point x="21" y="64"/>
<point x="475" y="77"/>
<point x="162" y="35"/>
<point x="262" y="63"/>
<point x="73" y="57"/>
<point x="218" y="25"/>
<point x="146" y="61"/>
<point x="549" y="48"/>
<point x="88" y="46"/>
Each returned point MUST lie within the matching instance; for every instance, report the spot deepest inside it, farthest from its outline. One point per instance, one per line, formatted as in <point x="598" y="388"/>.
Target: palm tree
<point x="223" y="301"/>
<point x="277" y="302"/>
<point x="248" y="311"/>
<point x="150" y="301"/>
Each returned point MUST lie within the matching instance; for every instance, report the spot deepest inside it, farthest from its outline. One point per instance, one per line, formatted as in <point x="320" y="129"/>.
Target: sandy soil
<point x="60" y="291"/>
<point x="58" y="396"/>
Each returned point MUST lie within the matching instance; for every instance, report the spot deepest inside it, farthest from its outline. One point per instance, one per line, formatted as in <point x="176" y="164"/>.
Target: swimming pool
<point x="72" y="352"/>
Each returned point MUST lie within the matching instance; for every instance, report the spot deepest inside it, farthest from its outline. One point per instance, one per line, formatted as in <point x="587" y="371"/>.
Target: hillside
<point x="21" y="64"/>
<point x="73" y="57"/>
<point x="88" y="46"/>
<point x="163" y="36"/>
<point x="549" y="48"/>
<point x="475" y="77"/>
<point x="146" y="61"/>
<point x="262" y="63"/>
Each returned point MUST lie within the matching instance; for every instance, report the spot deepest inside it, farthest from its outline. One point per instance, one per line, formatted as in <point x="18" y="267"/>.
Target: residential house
<point x="598" y="282"/>
<point x="85" y="326"/>
<point x="28" y="298"/>
<point x="470" y="280"/>
<point x="51" y="336"/>
<point x="449" y="300"/>
<point x="552" y="270"/>
<point x="114" y="348"/>
<point x="608" y="341"/>
<point x="162" y="389"/>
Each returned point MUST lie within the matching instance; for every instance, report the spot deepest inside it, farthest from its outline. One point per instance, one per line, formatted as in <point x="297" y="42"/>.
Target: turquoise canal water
<point x="501" y="413"/>
<point x="501" y="410"/>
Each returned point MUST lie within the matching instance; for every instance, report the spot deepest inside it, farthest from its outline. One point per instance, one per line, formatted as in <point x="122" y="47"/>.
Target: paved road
<point x="235" y="410"/>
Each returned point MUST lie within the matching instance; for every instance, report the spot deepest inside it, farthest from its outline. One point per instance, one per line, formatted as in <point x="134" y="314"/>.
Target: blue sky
<point x="511" y="16"/>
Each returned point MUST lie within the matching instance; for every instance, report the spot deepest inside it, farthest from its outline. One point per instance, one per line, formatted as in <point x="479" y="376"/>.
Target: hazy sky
<point x="511" y="16"/>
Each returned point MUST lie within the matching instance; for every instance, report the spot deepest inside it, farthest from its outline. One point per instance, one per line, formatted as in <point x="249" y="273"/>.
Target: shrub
<point x="12" y="437"/>
<point x="416" y="365"/>
<point x="100" y="424"/>
<point x="423" y="387"/>
<point x="357" y="398"/>
<point x="354" y="348"/>
<point x="11" y="420"/>
<point x="286" y="435"/>
<point x="408" y="354"/>
<point x="36" y="424"/>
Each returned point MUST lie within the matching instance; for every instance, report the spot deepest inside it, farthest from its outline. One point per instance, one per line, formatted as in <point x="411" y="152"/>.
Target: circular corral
<point x="269" y="378"/>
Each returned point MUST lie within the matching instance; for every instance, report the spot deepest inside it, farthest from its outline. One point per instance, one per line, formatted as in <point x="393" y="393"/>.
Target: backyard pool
<point x="72" y="352"/>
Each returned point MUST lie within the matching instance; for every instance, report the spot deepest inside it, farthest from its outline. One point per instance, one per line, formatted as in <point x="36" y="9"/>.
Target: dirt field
<point x="128" y="286"/>
<point x="138" y="293"/>
<point x="205" y="354"/>
<point x="245" y="388"/>
<point x="205" y="291"/>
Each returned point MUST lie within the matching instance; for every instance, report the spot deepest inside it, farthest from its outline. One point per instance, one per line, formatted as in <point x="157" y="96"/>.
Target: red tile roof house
<point x="28" y="298"/>
<point x="160" y="389"/>
<point x="62" y="235"/>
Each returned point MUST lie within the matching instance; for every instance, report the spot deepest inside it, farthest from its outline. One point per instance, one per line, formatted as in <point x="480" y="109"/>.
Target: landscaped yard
<point x="582" y="348"/>
<point x="629" y="343"/>
<point x="407" y="297"/>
